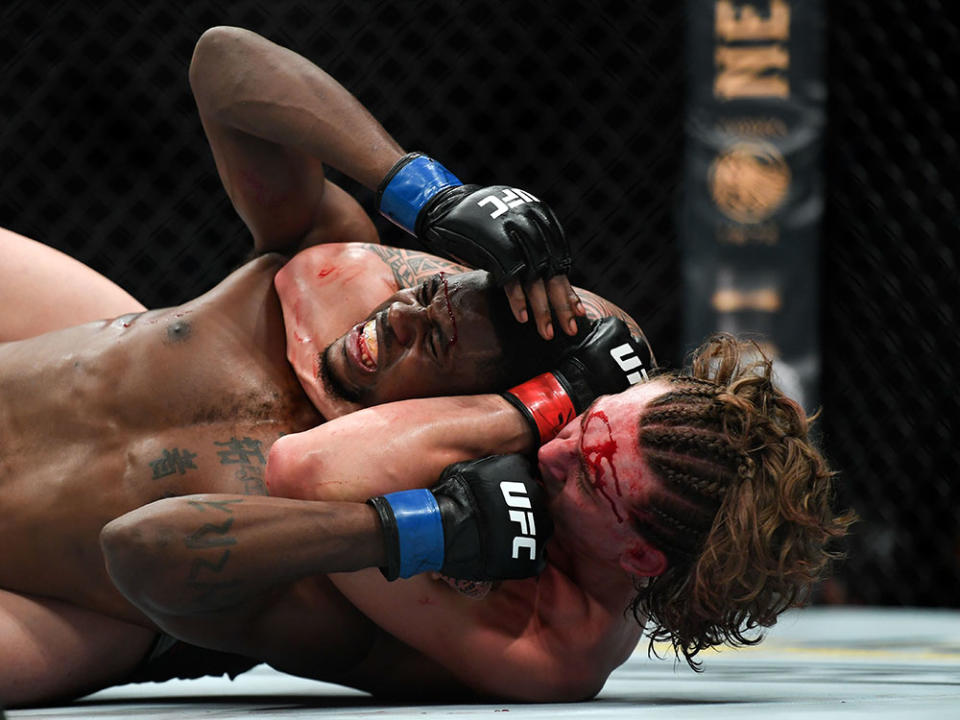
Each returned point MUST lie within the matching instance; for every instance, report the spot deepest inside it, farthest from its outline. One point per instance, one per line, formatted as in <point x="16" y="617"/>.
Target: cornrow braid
<point x="681" y="437"/>
<point x="742" y="506"/>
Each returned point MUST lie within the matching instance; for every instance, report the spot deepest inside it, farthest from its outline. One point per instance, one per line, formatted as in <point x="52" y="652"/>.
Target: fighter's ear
<point x="643" y="559"/>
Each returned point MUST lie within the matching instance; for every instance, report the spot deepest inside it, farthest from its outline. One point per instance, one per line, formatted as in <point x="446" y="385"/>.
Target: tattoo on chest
<point x="247" y="455"/>
<point x="207" y="573"/>
<point x="409" y="267"/>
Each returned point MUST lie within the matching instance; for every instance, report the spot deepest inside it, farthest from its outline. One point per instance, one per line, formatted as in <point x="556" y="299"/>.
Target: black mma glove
<point x="485" y="520"/>
<point x="607" y="360"/>
<point x="503" y="230"/>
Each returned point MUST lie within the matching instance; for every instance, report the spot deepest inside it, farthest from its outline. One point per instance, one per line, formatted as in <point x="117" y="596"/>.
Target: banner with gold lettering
<point x="753" y="189"/>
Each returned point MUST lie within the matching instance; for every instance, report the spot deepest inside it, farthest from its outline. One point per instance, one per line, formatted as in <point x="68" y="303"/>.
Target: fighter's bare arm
<point x="232" y="572"/>
<point x="273" y="119"/>
<point x="517" y="631"/>
<point x="236" y="573"/>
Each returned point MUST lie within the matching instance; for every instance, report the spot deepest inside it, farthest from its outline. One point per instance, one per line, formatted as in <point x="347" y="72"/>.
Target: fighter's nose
<point x="403" y="319"/>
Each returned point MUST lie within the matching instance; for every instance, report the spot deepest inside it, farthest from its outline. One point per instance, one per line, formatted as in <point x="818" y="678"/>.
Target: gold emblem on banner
<point x="748" y="181"/>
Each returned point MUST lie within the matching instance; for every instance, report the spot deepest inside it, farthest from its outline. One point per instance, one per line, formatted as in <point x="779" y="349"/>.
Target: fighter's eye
<point x="434" y="341"/>
<point x="428" y="289"/>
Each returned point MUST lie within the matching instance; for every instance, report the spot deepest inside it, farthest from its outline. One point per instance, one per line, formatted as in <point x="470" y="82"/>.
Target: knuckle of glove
<point x="592" y="357"/>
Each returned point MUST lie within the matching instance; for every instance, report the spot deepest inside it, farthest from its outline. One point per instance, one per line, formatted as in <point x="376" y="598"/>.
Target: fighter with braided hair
<point x="696" y="499"/>
<point x="742" y="506"/>
<point x="694" y="505"/>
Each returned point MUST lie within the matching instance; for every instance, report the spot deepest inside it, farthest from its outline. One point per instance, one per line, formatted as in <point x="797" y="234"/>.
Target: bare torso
<point x="102" y="418"/>
<point x="99" y="419"/>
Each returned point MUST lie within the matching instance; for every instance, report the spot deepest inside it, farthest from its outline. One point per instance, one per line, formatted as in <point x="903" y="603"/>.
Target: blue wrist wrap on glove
<point x="420" y="530"/>
<point x="411" y="186"/>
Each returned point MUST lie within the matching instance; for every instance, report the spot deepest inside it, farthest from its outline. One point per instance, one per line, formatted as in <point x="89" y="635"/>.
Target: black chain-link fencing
<point x="581" y="102"/>
<point x="891" y="295"/>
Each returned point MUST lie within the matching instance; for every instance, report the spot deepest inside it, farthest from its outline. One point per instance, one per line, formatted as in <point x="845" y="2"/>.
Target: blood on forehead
<point x="597" y="444"/>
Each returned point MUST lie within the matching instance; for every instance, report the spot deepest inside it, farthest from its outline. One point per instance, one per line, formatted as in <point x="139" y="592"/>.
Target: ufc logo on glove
<point x="510" y="198"/>
<point x="466" y="525"/>
<point x="515" y="495"/>
<point x="627" y="361"/>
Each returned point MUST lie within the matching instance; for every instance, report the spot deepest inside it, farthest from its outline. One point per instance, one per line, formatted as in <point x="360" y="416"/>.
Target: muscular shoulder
<point x="405" y="267"/>
<point x="409" y="267"/>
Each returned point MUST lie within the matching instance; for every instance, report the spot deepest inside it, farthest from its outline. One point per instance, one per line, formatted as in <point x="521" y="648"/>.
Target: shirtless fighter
<point x="104" y="416"/>
<point x="695" y="500"/>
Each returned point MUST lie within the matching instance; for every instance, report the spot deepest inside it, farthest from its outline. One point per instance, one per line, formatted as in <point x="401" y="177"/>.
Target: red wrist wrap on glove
<point x="548" y="403"/>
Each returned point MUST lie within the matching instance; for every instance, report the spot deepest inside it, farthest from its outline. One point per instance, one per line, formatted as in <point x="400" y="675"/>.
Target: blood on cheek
<point x="446" y="296"/>
<point x="595" y="452"/>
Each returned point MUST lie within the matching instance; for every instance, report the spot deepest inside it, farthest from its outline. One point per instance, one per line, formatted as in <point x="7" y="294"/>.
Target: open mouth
<point x="367" y="345"/>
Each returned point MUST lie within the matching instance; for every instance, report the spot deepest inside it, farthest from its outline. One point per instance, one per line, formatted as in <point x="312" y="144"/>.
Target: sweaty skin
<point x="100" y="419"/>
<point x="107" y="416"/>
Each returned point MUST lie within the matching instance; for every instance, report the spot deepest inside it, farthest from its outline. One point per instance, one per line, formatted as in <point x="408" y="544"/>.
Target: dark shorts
<point x="169" y="659"/>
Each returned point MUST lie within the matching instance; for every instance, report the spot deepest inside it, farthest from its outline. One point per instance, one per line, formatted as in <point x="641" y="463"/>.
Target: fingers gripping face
<point x="537" y="297"/>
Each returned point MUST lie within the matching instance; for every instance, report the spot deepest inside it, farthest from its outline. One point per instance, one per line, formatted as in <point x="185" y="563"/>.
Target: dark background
<point x="102" y="156"/>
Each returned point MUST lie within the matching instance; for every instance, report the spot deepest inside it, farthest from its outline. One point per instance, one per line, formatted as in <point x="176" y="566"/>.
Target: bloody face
<point x="596" y="478"/>
<point x="435" y="338"/>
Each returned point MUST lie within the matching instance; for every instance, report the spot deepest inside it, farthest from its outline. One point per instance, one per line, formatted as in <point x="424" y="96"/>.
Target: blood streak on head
<point x="324" y="271"/>
<point x="446" y="295"/>
<point x="595" y="453"/>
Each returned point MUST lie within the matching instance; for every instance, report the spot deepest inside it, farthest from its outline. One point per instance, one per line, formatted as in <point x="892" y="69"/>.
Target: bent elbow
<point x="121" y="543"/>
<point x="286" y="470"/>
<point x="210" y="60"/>
<point x="132" y="562"/>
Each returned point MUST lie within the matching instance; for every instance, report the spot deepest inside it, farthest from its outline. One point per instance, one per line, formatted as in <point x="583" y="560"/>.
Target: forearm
<point x="246" y="82"/>
<point x="395" y="446"/>
<point x="200" y="553"/>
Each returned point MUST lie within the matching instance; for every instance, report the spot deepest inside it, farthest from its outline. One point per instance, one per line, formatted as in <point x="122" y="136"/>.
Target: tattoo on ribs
<point x="242" y="451"/>
<point x="177" y="460"/>
<point x="250" y="478"/>
<point x="409" y="267"/>
<point x="247" y="454"/>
